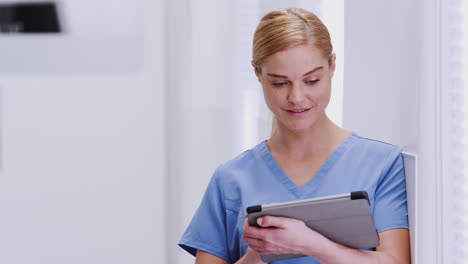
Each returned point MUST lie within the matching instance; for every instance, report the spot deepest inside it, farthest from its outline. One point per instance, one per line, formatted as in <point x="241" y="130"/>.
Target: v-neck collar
<point x="313" y="184"/>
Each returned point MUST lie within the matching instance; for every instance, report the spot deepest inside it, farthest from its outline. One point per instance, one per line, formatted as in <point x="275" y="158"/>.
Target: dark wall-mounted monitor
<point x="37" y="17"/>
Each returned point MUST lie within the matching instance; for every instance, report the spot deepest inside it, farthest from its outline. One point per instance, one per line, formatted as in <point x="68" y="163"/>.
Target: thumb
<point x="272" y="221"/>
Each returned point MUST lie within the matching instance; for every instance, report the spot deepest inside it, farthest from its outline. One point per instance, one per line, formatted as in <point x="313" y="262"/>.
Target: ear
<point x="332" y="64"/>
<point x="256" y="69"/>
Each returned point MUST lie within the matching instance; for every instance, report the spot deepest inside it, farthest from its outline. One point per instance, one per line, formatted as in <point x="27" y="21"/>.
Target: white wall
<point x="390" y="94"/>
<point x="82" y="176"/>
<point x="201" y="80"/>
<point x="382" y="60"/>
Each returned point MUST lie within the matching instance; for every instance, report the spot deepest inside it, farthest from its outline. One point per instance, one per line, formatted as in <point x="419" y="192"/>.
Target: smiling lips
<point x="298" y="112"/>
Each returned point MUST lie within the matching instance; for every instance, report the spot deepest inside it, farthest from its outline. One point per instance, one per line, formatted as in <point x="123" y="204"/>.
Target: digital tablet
<point x="345" y="219"/>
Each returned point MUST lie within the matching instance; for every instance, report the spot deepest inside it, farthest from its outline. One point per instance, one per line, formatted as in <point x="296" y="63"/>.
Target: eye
<point x="279" y="84"/>
<point x="312" y="82"/>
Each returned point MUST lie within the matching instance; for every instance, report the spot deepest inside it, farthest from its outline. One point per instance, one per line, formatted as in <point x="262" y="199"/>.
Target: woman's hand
<point x="280" y="235"/>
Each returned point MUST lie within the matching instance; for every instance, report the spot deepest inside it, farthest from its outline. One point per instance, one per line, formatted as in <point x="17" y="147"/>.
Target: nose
<point x="296" y="94"/>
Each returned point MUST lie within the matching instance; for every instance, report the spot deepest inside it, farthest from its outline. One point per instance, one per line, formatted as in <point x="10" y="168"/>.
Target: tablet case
<point x="345" y="219"/>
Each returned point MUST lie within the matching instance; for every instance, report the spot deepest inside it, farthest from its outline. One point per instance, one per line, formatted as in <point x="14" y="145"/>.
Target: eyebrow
<point x="282" y="76"/>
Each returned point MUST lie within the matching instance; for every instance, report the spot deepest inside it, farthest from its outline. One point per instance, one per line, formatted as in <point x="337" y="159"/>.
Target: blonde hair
<point x="284" y="28"/>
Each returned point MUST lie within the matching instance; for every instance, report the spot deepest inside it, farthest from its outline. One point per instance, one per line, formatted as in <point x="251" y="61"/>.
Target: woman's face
<point x="297" y="86"/>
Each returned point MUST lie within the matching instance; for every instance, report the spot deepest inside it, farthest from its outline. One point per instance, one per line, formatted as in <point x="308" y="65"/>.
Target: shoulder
<point x="373" y="153"/>
<point x="384" y="157"/>
<point x="247" y="160"/>
<point x="244" y="171"/>
<point x="373" y="147"/>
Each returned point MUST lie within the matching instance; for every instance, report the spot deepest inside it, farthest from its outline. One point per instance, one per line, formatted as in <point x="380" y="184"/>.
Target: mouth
<point x="298" y="111"/>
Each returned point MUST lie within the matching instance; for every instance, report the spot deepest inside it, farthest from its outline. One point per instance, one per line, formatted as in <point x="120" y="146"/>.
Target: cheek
<point x="324" y="95"/>
<point x="271" y="98"/>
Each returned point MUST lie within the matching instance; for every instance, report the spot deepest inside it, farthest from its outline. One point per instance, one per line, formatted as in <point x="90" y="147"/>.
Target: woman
<point x="306" y="156"/>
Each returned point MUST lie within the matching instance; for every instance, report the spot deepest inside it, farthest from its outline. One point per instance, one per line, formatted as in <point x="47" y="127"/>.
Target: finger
<point x="273" y="221"/>
<point x="260" y="246"/>
<point x="251" y="240"/>
<point x="252" y="232"/>
<point x="246" y="223"/>
<point x="255" y="244"/>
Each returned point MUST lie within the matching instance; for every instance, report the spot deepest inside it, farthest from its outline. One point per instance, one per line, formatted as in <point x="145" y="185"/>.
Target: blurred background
<point x="114" y="115"/>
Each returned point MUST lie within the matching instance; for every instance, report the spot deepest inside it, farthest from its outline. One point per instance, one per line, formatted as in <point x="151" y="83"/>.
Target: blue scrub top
<point x="254" y="177"/>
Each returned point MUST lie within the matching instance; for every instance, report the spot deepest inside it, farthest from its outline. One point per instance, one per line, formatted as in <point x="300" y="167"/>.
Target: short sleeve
<point x="390" y="209"/>
<point x="207" y="229"/>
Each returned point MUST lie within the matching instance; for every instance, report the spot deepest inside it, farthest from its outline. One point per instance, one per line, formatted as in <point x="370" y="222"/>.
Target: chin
<point x="299" y="127"/>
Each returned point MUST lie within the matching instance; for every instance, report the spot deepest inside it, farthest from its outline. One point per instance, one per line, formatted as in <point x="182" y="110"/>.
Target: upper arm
<point x="395" y="243"/>
<point x="390" y="208"/>
<point x="208" y="229"/>
<point x="207" y="258"/>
